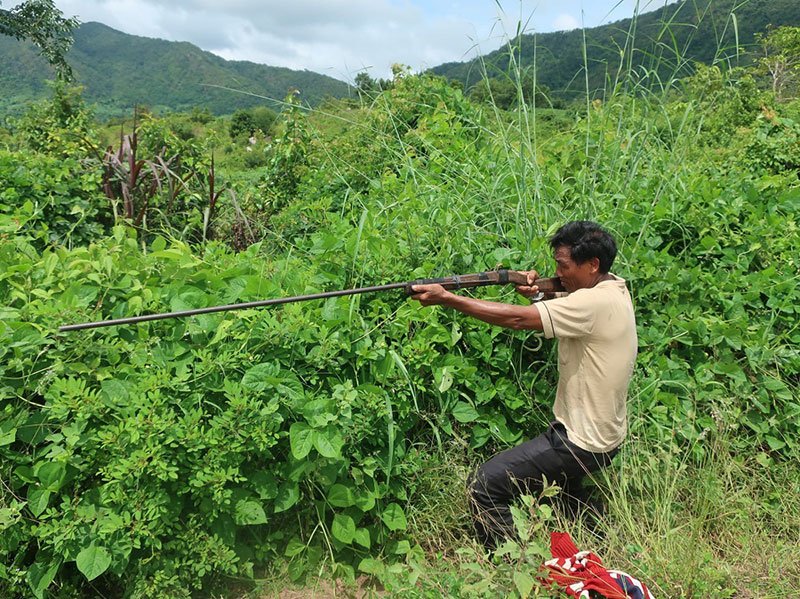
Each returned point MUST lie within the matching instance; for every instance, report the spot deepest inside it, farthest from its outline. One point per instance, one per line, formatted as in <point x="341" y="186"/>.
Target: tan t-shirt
<point x="597" y="343"/>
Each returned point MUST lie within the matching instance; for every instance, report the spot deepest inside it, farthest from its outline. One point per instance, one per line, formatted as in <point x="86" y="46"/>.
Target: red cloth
<point x="580" y="572"/>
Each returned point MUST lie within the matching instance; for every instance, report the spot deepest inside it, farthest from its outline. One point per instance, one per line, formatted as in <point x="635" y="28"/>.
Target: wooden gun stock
<point x="491" y="277"/>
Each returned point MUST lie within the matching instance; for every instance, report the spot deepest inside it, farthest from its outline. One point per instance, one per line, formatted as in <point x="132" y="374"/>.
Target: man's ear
<point x="594" y="264"/>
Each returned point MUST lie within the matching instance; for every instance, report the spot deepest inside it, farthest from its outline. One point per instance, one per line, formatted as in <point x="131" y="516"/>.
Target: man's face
<point x="575" y="276"/>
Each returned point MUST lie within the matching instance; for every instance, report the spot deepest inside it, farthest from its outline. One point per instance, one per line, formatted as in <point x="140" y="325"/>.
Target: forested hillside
<point x="323" y="447"/>
<point x="119" y="71"/>
<point x="662" y="43"/>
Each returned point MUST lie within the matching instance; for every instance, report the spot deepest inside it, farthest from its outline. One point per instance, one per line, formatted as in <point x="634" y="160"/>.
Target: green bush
<point x="52" y="201"/>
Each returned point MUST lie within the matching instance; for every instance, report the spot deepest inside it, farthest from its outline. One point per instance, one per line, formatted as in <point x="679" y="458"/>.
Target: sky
<point x="341" y="38"/>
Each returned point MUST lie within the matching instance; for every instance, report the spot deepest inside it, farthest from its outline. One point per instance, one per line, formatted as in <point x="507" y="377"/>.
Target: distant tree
<point x="505" y="93"/>
<point x="400" y="70"/>
<point x="249" y="120"/>
<point x="500" y="92"/>
<point x="263" y="119"/>
<point x="60" y="125"/>
<point x="40" y="22"/>
<point x="241" y="122"/>
<point x="201" y="115"/>
<point x="781" y="59"/>
<point x="365" y="85"/>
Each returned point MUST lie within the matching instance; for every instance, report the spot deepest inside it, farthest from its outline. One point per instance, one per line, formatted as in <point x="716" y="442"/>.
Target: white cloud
<point x="565" y="22"/>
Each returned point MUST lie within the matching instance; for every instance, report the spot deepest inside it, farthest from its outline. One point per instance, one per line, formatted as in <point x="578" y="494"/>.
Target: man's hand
<point x="531" y="289"/>
<point x="510" y="316"/>
<point x="429" y="295"/>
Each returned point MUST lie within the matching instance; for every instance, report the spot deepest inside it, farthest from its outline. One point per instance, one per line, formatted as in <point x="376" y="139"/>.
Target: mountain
<point x="119" y="70"/>
<point x="666" y="42"/>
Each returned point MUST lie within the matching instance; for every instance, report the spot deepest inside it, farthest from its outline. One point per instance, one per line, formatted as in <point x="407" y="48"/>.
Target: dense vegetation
<point x="187" y="457"/>
<point x="118" y="70"/>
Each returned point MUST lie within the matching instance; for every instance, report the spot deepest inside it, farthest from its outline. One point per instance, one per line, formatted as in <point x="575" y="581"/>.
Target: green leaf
<point x="294" y="547"/>
<point x="40" y="576"/>
<point x="362" y="538"/>
<point x="774" y="443"/>
<point x="8" y="516"/>
<point x="8" y="437"/>
<point x="249" y="512"/>
<point x="38" y="500"/>
<point x="371" y="566"/>
<point x="343" y="528"/>
<point x="114" y="391"/>
<point x="268" y="375"/>
<point x="464" y="412"/>
<point x="365" y="501"/>
<point x="93" y="561"/>
<point x="261" y="377"/>
<point x="329" y="443"/>
<point x="288" y="495"/>
<point x="296" y="569"/>
<point x="340" y="496"/>
<point x="401" y="547"/>
<point x="394" y="518"/>
<point x="524" y="583"/>
<point x="445" y="376"/>
<point x="158" y="244"/>
<point x="301" y="439"/>
<point x="264" y="484"/>
<point x="51" y="475"/>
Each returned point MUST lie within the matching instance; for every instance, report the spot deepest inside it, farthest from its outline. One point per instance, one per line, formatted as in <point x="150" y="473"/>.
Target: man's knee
<point x="478" y="487"/>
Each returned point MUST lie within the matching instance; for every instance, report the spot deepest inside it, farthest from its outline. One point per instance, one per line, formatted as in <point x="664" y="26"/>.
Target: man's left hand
<point x="429" y="295"/>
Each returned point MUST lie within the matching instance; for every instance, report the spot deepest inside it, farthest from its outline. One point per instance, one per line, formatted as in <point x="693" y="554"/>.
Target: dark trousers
<point x="520" y="471"/>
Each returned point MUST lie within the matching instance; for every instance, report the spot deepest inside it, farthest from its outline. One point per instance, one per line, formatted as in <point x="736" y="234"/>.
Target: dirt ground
<point x="325" y="589"/>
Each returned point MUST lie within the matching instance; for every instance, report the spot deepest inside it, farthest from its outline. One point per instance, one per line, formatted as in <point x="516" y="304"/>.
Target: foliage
<point x="40" y="22"/>
<point x="49" y="201"/>
<point x="246" y="122"/>
<point x="776" y="144"/>
<point x="781" y="60"/>
<point x="60" y="126"/>
<point x="120" y="470"/>
<point x="726" y="101"/>
<point x="368" y="88"/>
<point x="286" y="157"/>
<point x="172" y="189"/>
<point x="506" y="93"/>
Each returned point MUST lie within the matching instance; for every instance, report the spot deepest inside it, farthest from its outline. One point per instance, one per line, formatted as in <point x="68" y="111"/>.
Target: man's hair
<point x="586" y="240"/>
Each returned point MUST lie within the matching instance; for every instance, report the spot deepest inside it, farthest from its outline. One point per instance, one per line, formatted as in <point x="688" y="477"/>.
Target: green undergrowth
<point x="723" y="527"/>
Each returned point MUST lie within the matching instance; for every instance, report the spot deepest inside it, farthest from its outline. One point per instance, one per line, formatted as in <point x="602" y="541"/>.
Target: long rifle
<point x="492" y="277"/>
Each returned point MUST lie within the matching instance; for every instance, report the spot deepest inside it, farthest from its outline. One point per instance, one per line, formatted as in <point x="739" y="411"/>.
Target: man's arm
<point x="510" y="316"/>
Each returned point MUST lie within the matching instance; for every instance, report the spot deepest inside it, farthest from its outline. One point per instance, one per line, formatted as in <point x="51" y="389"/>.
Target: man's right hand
<point x="531" y="289"/>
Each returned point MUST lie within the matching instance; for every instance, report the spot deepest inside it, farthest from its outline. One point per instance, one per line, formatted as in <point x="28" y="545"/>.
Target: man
<point x="596" y="329"/>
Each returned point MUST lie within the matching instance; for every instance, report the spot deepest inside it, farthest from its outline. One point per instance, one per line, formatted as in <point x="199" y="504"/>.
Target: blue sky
<point x="340" y="38"/>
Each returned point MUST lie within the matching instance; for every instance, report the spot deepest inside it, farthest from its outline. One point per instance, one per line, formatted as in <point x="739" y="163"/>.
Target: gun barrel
<point x="243" y="306"/>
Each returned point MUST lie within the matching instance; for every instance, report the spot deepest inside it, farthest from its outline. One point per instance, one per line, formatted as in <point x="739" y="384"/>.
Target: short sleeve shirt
<point x="597" y="345"/>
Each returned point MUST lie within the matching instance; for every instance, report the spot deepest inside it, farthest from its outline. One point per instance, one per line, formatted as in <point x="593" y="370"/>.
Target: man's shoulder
<point x="608" y="287"/>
